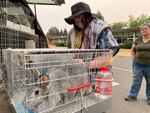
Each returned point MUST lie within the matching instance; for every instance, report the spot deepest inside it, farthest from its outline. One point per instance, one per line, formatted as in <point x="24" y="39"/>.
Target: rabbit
<point x="67" y="75"/>
<point x="52" y="90"/>
<point x="39" y="99"/>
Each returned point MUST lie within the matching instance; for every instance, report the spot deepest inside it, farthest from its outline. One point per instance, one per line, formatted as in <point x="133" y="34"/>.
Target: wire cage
<point x="52" y="80"/>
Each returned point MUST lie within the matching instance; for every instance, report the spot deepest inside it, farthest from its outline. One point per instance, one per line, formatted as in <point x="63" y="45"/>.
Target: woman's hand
<point x="100" y="61"/>
<point x="133" y="50"/>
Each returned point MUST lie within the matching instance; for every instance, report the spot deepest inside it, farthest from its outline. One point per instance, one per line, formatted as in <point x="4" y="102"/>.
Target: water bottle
<point x="104" y="81"/>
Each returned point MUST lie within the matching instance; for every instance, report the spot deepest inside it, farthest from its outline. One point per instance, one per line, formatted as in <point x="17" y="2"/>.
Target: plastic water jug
<point x="104" y="81"/>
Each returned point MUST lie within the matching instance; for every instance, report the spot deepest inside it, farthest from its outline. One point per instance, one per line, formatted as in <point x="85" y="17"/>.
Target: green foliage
<point x="60" y="43"/>
<point x="126" y="45"/>
<point x="132" y="22"/>
<point x="99" y="15"/>
<point x="118" y="25"/>
<point x="65" y="32"/>
<point x="55" y="31"/>
<point x="136" y="22"/>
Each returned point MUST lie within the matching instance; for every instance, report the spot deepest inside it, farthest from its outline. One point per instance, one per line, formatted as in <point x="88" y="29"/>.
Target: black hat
<point x="77" y="9"/>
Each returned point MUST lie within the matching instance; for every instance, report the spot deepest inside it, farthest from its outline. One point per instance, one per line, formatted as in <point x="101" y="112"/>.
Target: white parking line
<point x="122" y="69"/>
<point x="115" y="83"/>
<point x="129" y="70"/>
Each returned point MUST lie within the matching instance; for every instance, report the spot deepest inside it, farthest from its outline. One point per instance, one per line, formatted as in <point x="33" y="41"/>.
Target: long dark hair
<point x="87" y="18"/>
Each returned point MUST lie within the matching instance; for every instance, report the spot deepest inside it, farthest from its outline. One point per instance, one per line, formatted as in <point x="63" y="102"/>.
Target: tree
<point x="53" y="31"/>
<point x="132" y="22"/>
<point x="99" y="15"/>
<point x="118" y="25"/>
<point x="61" y="33"/>
<point x="65" y="32"/>
<point x="136" y="22"/>
<point x="56" y="32"/>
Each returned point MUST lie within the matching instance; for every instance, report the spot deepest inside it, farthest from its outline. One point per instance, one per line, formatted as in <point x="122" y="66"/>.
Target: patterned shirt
<point x="96" y="35"/>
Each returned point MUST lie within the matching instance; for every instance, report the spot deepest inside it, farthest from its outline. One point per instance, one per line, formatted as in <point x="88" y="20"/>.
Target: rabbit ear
<point x="34" y="68"/>
<point x="37" y="71"/>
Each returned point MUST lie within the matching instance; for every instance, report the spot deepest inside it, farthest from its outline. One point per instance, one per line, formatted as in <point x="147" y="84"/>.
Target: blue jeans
<point x="140" y="71"/>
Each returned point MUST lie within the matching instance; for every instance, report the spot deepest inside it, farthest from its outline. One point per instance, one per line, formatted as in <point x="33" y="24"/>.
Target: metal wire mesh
<point x="38" y="79"/>
<point x="17" y="26"/>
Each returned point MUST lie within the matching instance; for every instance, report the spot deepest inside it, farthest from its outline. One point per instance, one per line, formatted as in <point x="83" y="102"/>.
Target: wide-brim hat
<point x="77" y="9"/>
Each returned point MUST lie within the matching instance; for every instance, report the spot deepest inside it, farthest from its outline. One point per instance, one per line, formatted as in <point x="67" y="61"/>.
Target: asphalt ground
<point x="123" y="76"/>
<point x="5" y="106"/>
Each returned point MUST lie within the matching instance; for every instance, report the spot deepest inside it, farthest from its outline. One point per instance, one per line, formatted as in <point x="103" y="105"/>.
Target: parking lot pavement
<point x="4" y="105"/>
<point x="123" y="75"/>
<point x="124" y="53"/>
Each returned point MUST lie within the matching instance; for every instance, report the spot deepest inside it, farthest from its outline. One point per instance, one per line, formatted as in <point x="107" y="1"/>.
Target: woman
<point x="141" y="63"/>
<point x="89" y="32"/>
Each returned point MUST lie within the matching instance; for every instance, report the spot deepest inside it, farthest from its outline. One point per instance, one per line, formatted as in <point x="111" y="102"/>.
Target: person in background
<point x="89" y="32"/>
<point x="141" y="63"/>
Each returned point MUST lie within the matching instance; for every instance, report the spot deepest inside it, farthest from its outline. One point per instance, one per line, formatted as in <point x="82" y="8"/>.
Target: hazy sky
<point x="112" y="10"/>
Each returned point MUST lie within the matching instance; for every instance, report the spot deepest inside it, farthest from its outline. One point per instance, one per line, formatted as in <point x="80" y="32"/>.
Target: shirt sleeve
<point x="107" y="41"/>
